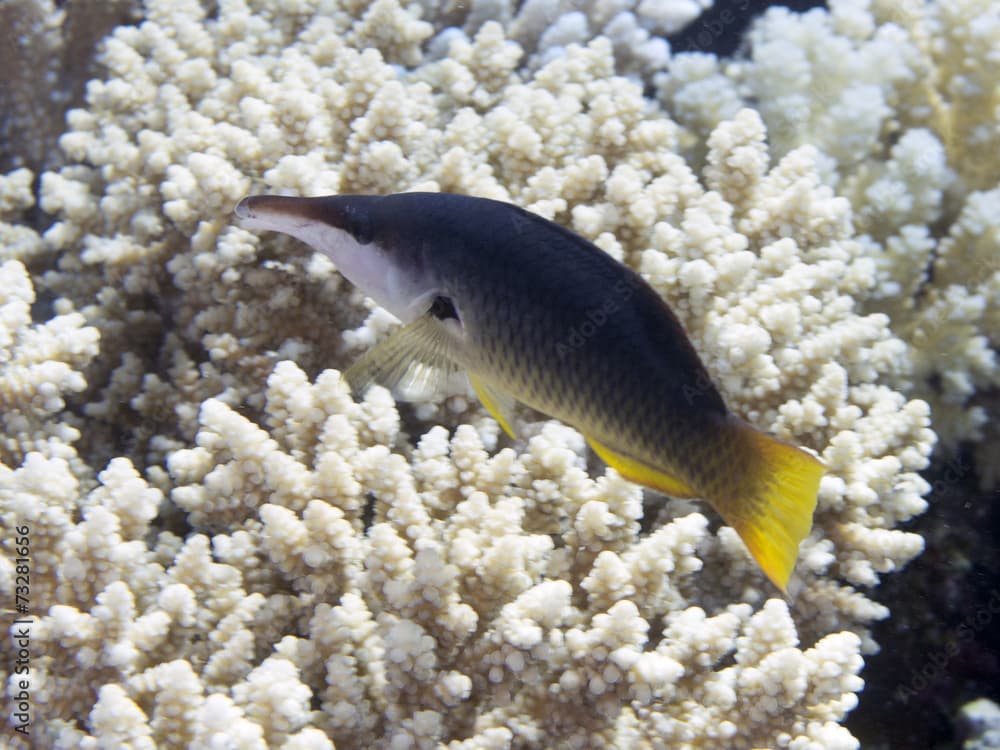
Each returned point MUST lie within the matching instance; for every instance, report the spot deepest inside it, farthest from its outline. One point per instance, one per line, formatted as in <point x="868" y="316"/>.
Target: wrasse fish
<point x="533" y="313"/>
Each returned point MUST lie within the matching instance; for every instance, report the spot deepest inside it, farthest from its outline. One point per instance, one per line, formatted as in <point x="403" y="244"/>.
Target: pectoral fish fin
<point x="641" y="473"/>
<point x="413" y="362"/>
<point x="775" y="515"/>
<point x="498" y="403"/>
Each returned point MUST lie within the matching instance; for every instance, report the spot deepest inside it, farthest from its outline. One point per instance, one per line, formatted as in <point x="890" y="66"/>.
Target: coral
<point x="423" y="626"/>
<point x="40" y="366"/>
<point x="47" y="53"/>
<point x="981" y="721"/>
<point x="901" y="100"/>
<point x="544" y="29"/>
<point x="240" y="552"/>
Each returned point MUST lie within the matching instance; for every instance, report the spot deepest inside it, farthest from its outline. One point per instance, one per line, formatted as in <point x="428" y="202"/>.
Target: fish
<point x="537" y="315"/>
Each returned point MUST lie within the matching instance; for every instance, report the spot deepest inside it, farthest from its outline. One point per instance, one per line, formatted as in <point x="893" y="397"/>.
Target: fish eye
<point x="359" y="225"/>
<point x="443" y="308"/>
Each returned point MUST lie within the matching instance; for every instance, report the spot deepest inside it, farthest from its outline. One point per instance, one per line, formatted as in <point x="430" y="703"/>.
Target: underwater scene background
<point x="207" y="541"/>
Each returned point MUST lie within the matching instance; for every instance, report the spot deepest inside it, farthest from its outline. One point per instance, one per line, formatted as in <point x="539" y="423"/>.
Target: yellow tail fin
<point x="773" y="513"/>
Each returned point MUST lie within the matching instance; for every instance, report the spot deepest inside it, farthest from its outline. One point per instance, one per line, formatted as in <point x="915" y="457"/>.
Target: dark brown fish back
<point x="562" y="325"/>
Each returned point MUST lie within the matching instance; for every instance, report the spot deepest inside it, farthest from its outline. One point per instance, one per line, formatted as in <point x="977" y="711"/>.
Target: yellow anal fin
<point x="775" y="514"/>
<point x="497" y="402"/>
<point x="641" y="473"/>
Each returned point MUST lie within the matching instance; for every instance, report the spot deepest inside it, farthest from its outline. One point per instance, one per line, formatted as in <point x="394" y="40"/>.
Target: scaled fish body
<point x="534" y="313"/>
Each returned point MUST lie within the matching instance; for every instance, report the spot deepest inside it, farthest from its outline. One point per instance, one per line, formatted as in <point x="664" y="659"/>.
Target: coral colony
<point x="229" y="549"/>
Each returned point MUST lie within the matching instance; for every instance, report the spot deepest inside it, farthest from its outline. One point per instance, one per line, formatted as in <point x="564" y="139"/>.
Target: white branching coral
<point x="434" y="621"/>
<point x="543" y="29"/>
<point x="901" y="100"/>
<point x="240" y="552"/>
<point x="40" y="366"/>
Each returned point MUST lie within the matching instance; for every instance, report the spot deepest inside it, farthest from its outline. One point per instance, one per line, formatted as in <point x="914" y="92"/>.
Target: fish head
<point x="381" y="261"/>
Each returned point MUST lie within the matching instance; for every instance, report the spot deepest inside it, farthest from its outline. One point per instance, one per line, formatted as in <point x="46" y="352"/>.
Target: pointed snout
<point x="265" y="208"/>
